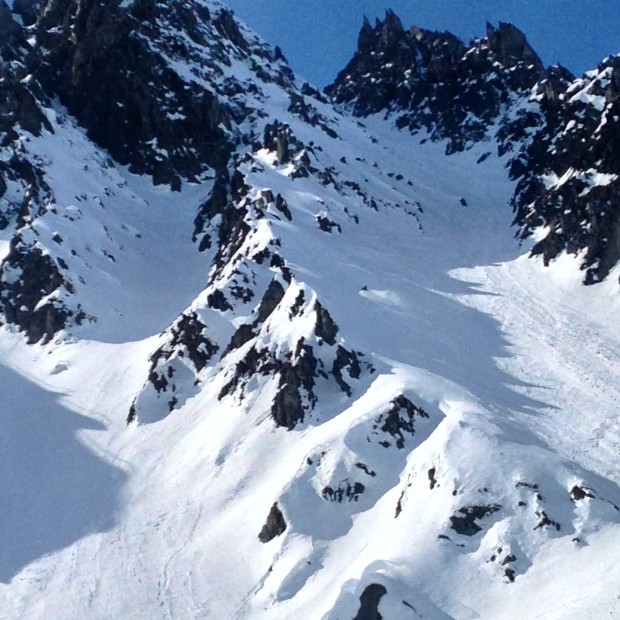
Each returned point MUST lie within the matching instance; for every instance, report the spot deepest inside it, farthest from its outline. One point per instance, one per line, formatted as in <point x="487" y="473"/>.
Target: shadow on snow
<point x="53" y="489"/>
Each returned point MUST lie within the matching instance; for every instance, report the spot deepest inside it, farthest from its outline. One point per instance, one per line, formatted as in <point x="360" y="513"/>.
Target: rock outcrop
<point x="275" y="525"/>
<point x="369" y="602"/>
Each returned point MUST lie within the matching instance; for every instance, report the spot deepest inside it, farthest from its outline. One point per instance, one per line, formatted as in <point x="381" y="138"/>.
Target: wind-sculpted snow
<point x="288" y="362"/>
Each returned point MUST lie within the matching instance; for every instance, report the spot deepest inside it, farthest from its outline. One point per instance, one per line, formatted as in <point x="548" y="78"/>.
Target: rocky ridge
<point x="432" y="82"/>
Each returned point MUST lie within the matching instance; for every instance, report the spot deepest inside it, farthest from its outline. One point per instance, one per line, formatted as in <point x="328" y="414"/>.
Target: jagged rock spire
<point x="434" y="80"/>
<point x="511" y="46"/>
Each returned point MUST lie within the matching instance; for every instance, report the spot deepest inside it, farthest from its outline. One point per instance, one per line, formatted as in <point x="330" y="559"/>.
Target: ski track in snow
<point x="566" y="345"/>
<point x="161" y="520"/>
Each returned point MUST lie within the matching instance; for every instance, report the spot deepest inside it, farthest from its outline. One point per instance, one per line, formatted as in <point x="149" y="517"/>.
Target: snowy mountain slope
<point x="346" y="385"/>
<point x="559" y="130"/>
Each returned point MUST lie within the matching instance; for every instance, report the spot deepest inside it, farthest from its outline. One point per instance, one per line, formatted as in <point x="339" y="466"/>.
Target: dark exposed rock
<point x="301" y="108"/>
<point x="28" y="277"/>
<point x="343" y="491"/>
<point x="327" y="225"/>
<point x="132" y="414"/>
<point x="281" y="206"/>
<point x="187" y="336"/>
<point x="244" y="334"/>
<point x="244" y="293"/>
<point x="310" y="91"/>
<point x="8" y="26"/>
<point x="297" y="375"/>
<point x="226" y="25"/>
<point x="508" y="559"/>
<point x="431" y="477"/>
<point x="399" y="420"/>
<point x="225" y="201"/>
<point x="279" y="137"/>
<point x="189" y="333"/>
<point x="325" y="327"/>
<point x="366" y="469"/>
<point x="576" y="145"/>
<point x="545" y="521"/>
<point x="579" y="493"/>
<point x="252" y="363"/>
<point x="297" y="304"/>
<point x="528" y="485"/>
<point x="238" y="187"/>
<point x="216" y="203"/>
<point x="19" y="105"/>
<point x="28" y="10"/>
<point x="298" y="370"/>
<point x="274" y="526"/>
<point x="33" y="289"/>
<point x="97" y="58"/>
<point x="187" y="346"/>
<point x="464" y="522"/>
<point x="369" y="602"/>
<point x="288" y="409"/>
<point x="444" y="537"/>
<point x="33" y="191"/>
<point x="348" y="360"/>
<point x="279" y="54"/>
<point x="272" y="297"/>
<point x="511" y="46"/>
<point x="217" y="300"/>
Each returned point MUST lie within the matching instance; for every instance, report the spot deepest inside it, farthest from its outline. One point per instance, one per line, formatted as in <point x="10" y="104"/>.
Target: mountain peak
<point x="391" y="23"/>
<point x="433" y="81"/>
<point x="497" y="89"/>
<point x="511" y="46"/>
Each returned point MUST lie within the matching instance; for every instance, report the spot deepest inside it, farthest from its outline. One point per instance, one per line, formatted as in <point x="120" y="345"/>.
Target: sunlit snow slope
<point x="321" y="381"/>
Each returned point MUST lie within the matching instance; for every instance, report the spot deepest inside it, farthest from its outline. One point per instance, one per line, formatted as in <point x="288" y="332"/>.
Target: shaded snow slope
<point x="325" y="377"/>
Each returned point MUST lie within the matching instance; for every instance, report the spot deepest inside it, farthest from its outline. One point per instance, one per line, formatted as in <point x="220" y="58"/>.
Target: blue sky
<point x="319" y="36"/>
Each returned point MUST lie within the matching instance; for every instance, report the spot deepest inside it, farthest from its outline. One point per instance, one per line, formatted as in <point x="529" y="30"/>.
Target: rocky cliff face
<point x="568" y="182"/>
<point x="27" y="275"/>
<point x="100" y="61"/>
<point x="155" y="84"/>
